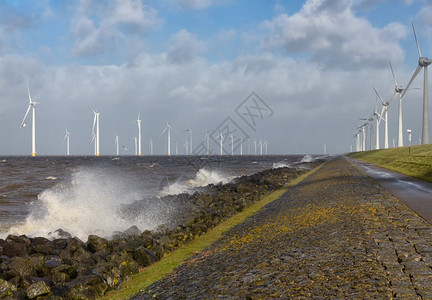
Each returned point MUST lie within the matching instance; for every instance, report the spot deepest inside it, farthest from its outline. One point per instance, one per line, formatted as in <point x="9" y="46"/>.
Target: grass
<point x="418" y="163"/>
<point x="174" y="259"/>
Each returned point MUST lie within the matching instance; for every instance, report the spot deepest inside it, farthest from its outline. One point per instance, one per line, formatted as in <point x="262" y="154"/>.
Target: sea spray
<point x="202" y="178"/>
<point x="90" y="203"/>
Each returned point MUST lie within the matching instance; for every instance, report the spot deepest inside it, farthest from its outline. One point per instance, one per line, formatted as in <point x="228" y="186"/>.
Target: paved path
<point x="415" y="193"/>
<point x="336" y="235"/>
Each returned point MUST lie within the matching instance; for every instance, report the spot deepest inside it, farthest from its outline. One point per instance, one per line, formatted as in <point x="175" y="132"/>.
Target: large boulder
<point x="96" y="243"/>
<point x="21" y="267"/>
<point x="143" y="256"/>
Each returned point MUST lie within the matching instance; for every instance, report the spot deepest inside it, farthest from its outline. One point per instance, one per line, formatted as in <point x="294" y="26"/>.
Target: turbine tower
<point x="168" y="129"/>
<point x="398" y="92"/>
<point x="138" y="121"/>
<point x="423" y="62"/>
<point x="32" y="105"/>
<point x="190" y="138"/>
<point x="96" y="134"/>
<point x="232" y="145"/>
<point x="117" y="145"/>
<point x="151" y="146"/>
<point x="66" y="137"/>
<point x="384" y="111"/>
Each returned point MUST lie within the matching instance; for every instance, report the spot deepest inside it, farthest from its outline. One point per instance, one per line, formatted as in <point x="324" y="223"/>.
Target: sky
<point x="297" y="74"/>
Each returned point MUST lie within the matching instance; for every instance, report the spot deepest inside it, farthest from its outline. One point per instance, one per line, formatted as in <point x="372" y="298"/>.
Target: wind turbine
<point x="379" y="118"/>
<point x="220" y="136"/>
<point x="260" y="145"/>
<point x="96" y="135"/>
<point x="190" y="138"/>
<point x="266" y="147"/>
<point x="66" y="137"/>
<point x="32" y="105"/>
<point x="423" y="62"/>
<point x="151" y="146"/>
<point x="117" y="145"/>
<point x="136" y="148"/>
<point x="168" y="129"/>
<point x="186" y="145"/>
<point x="384" y="111"/>
<point x="232" y="145"/>
<point x="398" y="92"/>
<point x="241" y="146"/>
<point x="138" y="121"/>
<point x="207" y="138"/>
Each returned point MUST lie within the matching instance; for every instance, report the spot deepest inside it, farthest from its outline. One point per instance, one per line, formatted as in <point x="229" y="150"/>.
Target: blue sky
<point x="192" y="62"/>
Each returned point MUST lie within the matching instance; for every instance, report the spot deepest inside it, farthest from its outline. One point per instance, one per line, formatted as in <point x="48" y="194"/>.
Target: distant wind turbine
<point x="232" y="145"/>
<point x="220" y="136"/>
<point x="32" y="105"/>
<point x="241" y="146"/>
<point x="260" y="145"/>
<point x="384" y="111"/>
<point x="255" y="146"/>
<point x="207" y="138"/>
<point x="117" y="145"/>
<point x="138" y="121"/>
<point x="423" y="62"/>
<point x="186" y="145"/>
<point x="66" y="138"/>
<point x="265" y="147"/>
<point x="190" y="139"/>
<point x="168" y="130"/>
<point x="398" y="92"/>
<point x="151" y="146"/>
<point x="96" y="134"/>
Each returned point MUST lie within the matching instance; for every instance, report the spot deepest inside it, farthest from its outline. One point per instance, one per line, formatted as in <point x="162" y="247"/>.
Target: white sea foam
<point x="281" y="164"/>
<point x="90" y="203"/>
<point x="202" y="178"/>
<point x="307" y="158"/>
<point x="51" y="178"/>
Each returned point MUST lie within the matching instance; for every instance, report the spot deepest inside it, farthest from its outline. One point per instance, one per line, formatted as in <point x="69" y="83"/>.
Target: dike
<point x="68" y="268"/>
<point x="335" y="235"/>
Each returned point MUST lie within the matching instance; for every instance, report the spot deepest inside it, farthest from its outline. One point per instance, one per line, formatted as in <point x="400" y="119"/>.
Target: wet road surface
<point x="415" y="193"/>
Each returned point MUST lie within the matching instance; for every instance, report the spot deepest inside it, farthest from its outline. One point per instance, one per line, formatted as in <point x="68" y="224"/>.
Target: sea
<point x="86" y="195"/>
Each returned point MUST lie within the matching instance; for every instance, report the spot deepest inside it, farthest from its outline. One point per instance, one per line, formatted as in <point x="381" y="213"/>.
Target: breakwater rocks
<point x="335" y="235"/>
<point x="68" y="268"/>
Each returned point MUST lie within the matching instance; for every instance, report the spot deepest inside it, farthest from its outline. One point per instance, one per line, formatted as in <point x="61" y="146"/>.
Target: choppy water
<point x="84" y="195"/>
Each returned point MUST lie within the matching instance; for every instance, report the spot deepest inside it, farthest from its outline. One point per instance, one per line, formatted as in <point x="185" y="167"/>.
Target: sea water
<point x="87" y="195"/>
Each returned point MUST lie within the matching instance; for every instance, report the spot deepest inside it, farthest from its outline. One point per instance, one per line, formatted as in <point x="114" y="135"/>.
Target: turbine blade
<point x="382" y="101"/>
<point x="25" y="116"/>
<point x="415" y="36"/>
<point x="28" y="91"/>
<point x="94" y="123"/>
<point x="394" y="77"/>
<point x="411" y="80"/>
<point x="164" y="130"/>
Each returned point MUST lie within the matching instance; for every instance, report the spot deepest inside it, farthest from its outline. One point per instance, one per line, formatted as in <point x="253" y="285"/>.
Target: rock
<point x="18" y="239"/>
<point x="87" y="287"/>
<point x="132" y="231"/>
<point x="37" y="289"/>
<point x="21" y="266"/>
<point x="63" y="234"/>
<point x="13" y="249"/>
<point x="143" y="256"/>
<point x="6" y="289"/>
<point x="82" y="256"/>
<point x="96" y="243"/>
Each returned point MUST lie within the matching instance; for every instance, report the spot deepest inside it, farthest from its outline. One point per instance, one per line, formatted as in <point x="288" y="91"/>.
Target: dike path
<point x="337" y="234"/>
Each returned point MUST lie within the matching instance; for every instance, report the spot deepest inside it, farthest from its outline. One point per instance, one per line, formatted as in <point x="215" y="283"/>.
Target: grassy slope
<point x="173" y="260"/>
<point x="417" y="164"/>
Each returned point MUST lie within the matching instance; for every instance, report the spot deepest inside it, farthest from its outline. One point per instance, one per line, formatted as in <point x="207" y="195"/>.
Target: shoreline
<point x="69" y="267"/>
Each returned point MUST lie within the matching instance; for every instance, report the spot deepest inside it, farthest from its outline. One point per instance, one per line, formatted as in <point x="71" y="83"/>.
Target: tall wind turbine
<point x="32" y="105"/>
<point x="260" y="145"/>
<point x="423" y="62"/>
<point x="186" y="145"/>
<point x="66" y="138"/>
<point x="138" y="121"/>
<point x="398" y="92"/>
<point x="117" y="145"/>
<point x="96" y="134"/>
<point x="266" y="147"/>
<point x="168" y="129"/>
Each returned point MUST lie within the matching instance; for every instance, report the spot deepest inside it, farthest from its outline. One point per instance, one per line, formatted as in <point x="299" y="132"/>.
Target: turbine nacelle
<point x="399" y="89"/>
<point x="424" y="61"/>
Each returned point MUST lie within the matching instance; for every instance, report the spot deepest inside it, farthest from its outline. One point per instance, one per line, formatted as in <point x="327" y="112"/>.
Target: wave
<point x="202" y="178"/>
<point x="281" y="164"/>
<point x="90" y="203"/>
<point x="307" y="159"/>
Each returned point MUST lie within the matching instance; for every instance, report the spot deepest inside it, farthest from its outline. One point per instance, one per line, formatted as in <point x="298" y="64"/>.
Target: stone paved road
<point x="337" y="234"/>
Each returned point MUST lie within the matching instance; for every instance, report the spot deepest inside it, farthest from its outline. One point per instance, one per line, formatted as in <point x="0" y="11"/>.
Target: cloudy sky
<point x="194" y="63"/>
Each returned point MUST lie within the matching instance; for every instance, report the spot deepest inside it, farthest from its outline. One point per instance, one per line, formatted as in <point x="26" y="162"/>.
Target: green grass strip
<point x="174" y="259"/>
<point x="416" y="162"/>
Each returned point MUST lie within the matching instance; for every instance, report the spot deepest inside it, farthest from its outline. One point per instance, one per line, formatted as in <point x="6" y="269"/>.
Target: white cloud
<point x="184" y="47"/>
<point x="334" y="36"/>
<point x="99" y="28"/>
